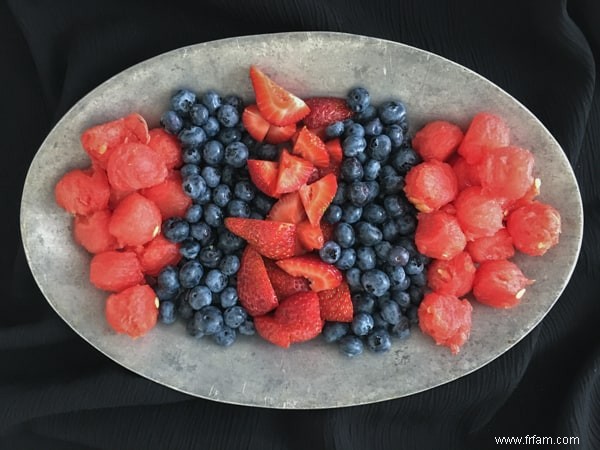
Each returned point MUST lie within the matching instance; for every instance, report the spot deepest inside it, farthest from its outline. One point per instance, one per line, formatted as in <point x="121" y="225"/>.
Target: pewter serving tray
<point x="311" y="375"/>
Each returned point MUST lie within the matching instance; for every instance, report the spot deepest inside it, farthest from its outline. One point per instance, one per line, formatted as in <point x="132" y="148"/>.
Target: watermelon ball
<point x="169" y="196"/>
<point x="133" y="311"/>
<point x="135" y="221"/>
<point x="439" y="235"/>
<point x="485" y="131"/>
<point x="158" y="253"/>
<point x="499" y="284"/>
<point x="83" y="191"/>
<point x="430" y="185"/>
<point x="535" y="228"/>
<point x="437" y="140"/>
<point x="133" y="165"/>
<point x="115" y="270"/>
<point x="478" y="213"/>
<point x="92" y="233"/>
<point x="506" y="172"/>
<point x="453" y="277"/>
<point x="488" y="248"/>
<point x="167" y="146"/>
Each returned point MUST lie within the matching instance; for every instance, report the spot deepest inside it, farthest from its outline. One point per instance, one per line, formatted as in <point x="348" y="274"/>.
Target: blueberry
<point x="398" y="256"/>
<point x="189" y="248"/>
<point x="334" y="331"/>
<point x="244" y="190"/>
<point x="408" y="244"/>
<point x="374" y="213"/>
<point x="347" y="259"/>
<point x="211" y="127"/>
<point x="228" y="242"/>
<point x="353" y="278"/>
<point x="212" y="100"/>
<point x="404" y="159"/>
<point x="400" y="296"/>
<point x="194" y="214"/>
<point x="333" y="214"/>
<point x="392" y="112"/>
<point x="379" y="147"/>
<point x="382" y="250"/>
<point x="372" y="190"/>
<point x="216" y="280"/>
<point x="202" y="232"/>
<point x="351" y="346"/>
<point x="371" y="169"/>
<point x="225" y="337"/>
<point x="268" y="152"/>
<point x="236" y="154"/>
<point x="365" y="258"/>
<point x="192" y="137"/>
<point x="228" y="175"/>
<point x="358" y="193"/>
<point x="234" y="316"/>
<point x="366" y="115"/>
<point x="182" y="101"/>
<point x="191" y="155"/>
<point x="353" y="145"/>
<point x="171" y="122"/>
<point x="390" y="230"/>
<point x="374" y="127"/>
<point x="356" y="129"/>
<point x="210" y="256"/>
<point x="362" y="324"/>
<point x="379" y="341"/>
<point x="204" y="197"/>
<point x="412" y="314"/>
<point x="416" y="295"/>
<point x="375" y="282"/>
<point x="401" y="330"/>
<point x="190" y="274"/>
<point x="351" y="169"/>
<point x="419" y="279"/>
<point x="407" y="224"/>
<point x="335" y="129"/>
<point x="363" y="302"/>
<point x="340" y="194"/>
<point x="414" y="266"/>
<point x="168" y="278"/>
<point x="344" y="234"/>
<point x="368" y="234"/>
<point x="394" y="206"/>
<point x="198" y="297"/>
<point x="396" y="134"/>
<point x="209" y="320"/>
<point x="330" y="252"/>
<point x="211" y="175"/>
<point x="390" y="311"/>
<point x="199" y="114"/>
<point x="396" y="274"/>
<point x="247" y="328"/>
<point x="392" y="184"/>
<point x="163" y="293"/>
<point x="167" y="312"/>
<point x="175" y="229"/>
<point x="238" y="208"/>
<point x="221" y="195"/>
<point x="387" y="171"/>
<point x="229" y="135"/>
<point x="351" y="213"/>
<point x="213" y="152"/>
<point x="262" y="203"/>
<point x="230" y="264"/>
<point x="228" y="116"/>
<point x="358" y="99"/>
<point x="235" y="101"/>
<point x="189" y="169"/>
<point x="213" y="215"/>
<point x="228" y="297"/>
<point x="193" y="186"/>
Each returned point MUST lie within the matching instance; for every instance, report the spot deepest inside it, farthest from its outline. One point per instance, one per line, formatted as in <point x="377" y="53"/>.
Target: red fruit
<point x="115" y="271"/>
<point x="294" y="172"/>
<point x="135" y="166"/>
<point x="264" y="176"/>
<point x="83" y="191"/>
<point x="310" y="147"/>
<point x="254" y="288"/>
<point x="288" y="209"/>
<point x="326" y="110"/>
<point x="437" y="140"/>
<point x="157" y="254"/>
<point x="310" y="236"/>
<point x="535" y="228"/>
<point x="133" y="312"/>
<point x="485" y="131"/>
<point x="478" y="213"/>
<point x="275" y="240"/>
<point x="467" y="175"/>
<point x="135" y="221"/>
<point x="169" y="196"/>
<point x="254" y="123"/>
<point x="100" y="140"/>
<point x="532" y="192"/>
<point x="320" y="275"/>
<point x="327" y="230"/>
<point x="334" y="148"/>
<point x="430" y="185"/>
<point x="271" y="330"/>
<point x="167" y="146"/>
<point x="446" y="318"/>
<point x="91" y="232"/>
<point x="279" y="135"/>
<point x="276" y="105"/>
<point x="506" y="172"/>
<point x="499" y="284"/>
<point x="453" y="277"/>
<point x="300" y="316"/>
<point x="316" y="197"/>
<point x="439" y="235"/>
<point x="336" y="304"/>
<point x="490" y="248"/>
<point x="284" y="284"/>
<point x="137" y="126"/>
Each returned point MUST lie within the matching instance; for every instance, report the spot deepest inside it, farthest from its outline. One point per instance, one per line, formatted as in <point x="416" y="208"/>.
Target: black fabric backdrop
<point x="57" y="392"/>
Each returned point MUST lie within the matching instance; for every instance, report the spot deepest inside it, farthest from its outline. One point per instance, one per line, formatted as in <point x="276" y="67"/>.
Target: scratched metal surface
<point x="311" y="375"/>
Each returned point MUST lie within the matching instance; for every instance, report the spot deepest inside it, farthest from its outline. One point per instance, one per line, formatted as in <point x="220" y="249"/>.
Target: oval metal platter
<point x="311" y="375"/>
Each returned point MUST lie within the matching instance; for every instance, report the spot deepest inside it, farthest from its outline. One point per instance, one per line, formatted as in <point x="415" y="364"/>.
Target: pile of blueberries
<point x="373" y="239"/>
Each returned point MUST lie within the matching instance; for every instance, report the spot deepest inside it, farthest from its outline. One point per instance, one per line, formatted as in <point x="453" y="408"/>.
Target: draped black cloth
<point x="58" y="392"/>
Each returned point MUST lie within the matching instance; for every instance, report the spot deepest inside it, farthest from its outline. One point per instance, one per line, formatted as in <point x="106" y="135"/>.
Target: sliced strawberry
<point x="334" y="148"/>
<point x="276" y="104"/>
<point x="264" y="175"/>
<point x="320" y="275"/>
<point x="254" y="288"/>
<point x="311" y="147"/>
<point x="256" y="125"/>
<point x="327" y="230"/>
<point x="300" y="316"/>
<point x="326" y="110"/>
<point x="275" y="240"/>
<point x="279" y="135"/>
<point x="336" y="304"/>
<point x="138" y="126"/>
<point x="271" y="330"/>
<point x="310" y="236"/>
<point x="288" y="209"/>
<point x="283" y="283"/>
<point x="293" y="173"/>
<point x="316" y="197"/>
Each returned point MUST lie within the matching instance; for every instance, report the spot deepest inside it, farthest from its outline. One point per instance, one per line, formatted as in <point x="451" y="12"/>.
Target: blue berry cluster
<point x="373" y="239"/>
<point x="201" y="289"/>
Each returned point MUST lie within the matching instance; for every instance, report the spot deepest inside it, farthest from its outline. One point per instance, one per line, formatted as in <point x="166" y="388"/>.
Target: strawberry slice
<point x="288" y="209"/>
<point x="264" y="175"/>
<point x="310" y="236"/>
<point x="284" y="284"/>
<point x="336" y="304"/>
<point x="320" y="275"/>
<point x="327" y="230"/>
<point x="275" y="240"/>
<point x="326" y="110"/>
<point x="254" y="288"/>
<point x="271" y="330"/>
<point x="316" y="197"/>
<point x="279" y="135"/>
<point x="311" y="147"/>
<point x="256" y="125"/>
<point x="293" y="173"/>
<point x="334" y="148"/>
<point x="279" y="106"/>
<point x="300" y="316"/>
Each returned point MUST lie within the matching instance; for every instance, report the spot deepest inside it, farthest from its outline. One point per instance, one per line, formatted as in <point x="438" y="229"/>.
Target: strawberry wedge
<point x="254" y="288"/>
<point x="320" y="275"/>
<point x="275" y="240"/>
<point x="316" y="197"/>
